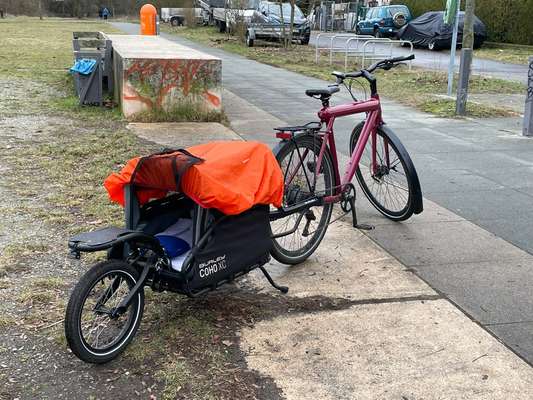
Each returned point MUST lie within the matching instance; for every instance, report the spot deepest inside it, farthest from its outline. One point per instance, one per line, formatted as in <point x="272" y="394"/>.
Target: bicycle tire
<point x="413" y="200"/>
<point x="73" y="315"/>
<point x="313" y="144"/>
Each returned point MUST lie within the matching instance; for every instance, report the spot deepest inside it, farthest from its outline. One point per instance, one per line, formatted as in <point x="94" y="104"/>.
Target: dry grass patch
<point x="17" y="257"/>
<point x="417" y="88"/>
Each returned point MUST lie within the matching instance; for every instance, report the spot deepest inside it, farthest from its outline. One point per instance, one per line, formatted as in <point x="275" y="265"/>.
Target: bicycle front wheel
<point x="297" y="236"/>
<point x="392" y="186"/>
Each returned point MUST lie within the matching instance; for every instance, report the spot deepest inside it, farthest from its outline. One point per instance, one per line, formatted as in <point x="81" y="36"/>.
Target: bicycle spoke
<point x="303" y="180"/>
<point x="98" y="329"/>
<point x="387" y="183"/>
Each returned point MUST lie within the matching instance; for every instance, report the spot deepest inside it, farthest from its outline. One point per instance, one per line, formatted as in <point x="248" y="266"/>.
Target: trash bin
<point x="97" y="41"/>
<point x="87" y="72"/>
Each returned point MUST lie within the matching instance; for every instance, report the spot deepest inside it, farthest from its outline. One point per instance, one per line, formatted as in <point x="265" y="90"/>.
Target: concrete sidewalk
<point x="479" y="170"/>
<point x="487" y="277"/>
<point x="386" y="333"/>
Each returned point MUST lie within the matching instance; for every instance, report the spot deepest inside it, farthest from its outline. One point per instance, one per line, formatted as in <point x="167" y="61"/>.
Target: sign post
<point x="528" y="114"/>
<point x="452" y="18"/>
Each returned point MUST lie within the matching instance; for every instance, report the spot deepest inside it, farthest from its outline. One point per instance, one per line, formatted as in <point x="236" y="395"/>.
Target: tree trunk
<point x="283" y="36"/>
<point x="40" y="9"/>
<point x="466" y="58"/>
<point x="291" y="25"/>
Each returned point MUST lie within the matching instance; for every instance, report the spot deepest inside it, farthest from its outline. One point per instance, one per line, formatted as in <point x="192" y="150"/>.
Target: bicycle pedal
<point x="364" y="227"/>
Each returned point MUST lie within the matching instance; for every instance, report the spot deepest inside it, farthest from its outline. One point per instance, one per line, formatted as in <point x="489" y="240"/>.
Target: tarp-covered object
<point x="152" y="176"/>
<point x="229" y="176"/>
<point x="430" y="28"/>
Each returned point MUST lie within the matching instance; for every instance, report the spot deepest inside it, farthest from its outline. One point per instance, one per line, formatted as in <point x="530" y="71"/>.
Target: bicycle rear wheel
<point x="297" y="159"/>
<point x="393" y="187"/>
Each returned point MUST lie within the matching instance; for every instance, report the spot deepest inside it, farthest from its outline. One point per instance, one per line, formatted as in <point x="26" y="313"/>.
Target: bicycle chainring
<point x="348" y="198"/>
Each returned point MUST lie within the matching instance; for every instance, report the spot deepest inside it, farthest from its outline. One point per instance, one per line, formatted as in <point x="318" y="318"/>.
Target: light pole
<point x="453" y="49"/>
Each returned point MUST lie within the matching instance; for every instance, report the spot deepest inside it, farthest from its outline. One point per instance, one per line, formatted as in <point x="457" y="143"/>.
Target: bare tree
<point x="236" y="23"/>
<point x="283" y="33"/>
<point x="291" y="25"/>
<point x="467" y="50"/>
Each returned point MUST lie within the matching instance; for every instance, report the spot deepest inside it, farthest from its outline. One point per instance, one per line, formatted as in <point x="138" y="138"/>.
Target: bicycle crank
<point x="309" y="216"/>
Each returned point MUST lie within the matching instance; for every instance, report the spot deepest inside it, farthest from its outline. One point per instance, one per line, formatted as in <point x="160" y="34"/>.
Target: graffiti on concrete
<point x="530" y="82"/>
<point x="528" y="113"/>
<point x="166" y="84"/>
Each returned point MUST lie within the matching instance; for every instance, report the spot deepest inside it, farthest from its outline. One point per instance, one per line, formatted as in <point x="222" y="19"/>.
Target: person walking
<point x="105" y="13"/>
<point x="1" y="13"/>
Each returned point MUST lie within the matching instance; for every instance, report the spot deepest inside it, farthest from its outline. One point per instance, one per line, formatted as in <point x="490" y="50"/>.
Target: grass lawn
<point x="418" y="88"/>
<point x="506" y="53"/>
<point x="54" y="156"/>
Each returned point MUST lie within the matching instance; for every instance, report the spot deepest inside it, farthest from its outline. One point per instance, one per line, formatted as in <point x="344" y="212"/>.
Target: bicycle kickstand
<point x="282" y="289"/>
<point x="357" y="225"/>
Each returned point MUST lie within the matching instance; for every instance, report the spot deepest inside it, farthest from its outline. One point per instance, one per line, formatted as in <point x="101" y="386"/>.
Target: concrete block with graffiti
<point x="155" y="76"/>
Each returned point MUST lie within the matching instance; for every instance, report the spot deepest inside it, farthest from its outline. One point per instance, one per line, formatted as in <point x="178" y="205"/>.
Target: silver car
<point x="266" y="23"/>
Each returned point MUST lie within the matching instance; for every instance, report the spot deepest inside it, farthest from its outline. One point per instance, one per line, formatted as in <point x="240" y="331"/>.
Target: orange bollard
<point x="148" y="20"/>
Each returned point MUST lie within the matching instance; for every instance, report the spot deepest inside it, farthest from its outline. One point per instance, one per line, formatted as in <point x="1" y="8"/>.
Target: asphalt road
<point x="480" y="170"/>
<point x="437" y="60"/>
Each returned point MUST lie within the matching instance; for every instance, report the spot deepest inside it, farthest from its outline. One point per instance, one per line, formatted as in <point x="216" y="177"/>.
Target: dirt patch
<point x="51" y="169"/>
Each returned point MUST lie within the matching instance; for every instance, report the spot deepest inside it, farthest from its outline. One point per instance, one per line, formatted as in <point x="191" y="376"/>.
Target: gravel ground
<point x="51" y="167"/>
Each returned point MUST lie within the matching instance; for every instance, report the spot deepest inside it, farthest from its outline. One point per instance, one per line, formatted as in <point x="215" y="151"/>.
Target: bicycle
<point x="175" y="239"/>
<point x="313" y="183"/>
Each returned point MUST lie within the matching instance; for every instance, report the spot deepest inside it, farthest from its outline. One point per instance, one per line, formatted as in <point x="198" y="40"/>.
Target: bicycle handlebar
<point x="390" y="62"/>
<point x="366" y="73"/>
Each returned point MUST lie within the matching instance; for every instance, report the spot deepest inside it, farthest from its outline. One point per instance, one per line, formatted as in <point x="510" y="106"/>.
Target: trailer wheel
<point x="222" y="27"/>
<point x="174" y="22"/>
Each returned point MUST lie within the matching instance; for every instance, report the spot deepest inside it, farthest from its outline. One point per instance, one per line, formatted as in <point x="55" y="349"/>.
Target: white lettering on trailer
<point x="212" y="266"/>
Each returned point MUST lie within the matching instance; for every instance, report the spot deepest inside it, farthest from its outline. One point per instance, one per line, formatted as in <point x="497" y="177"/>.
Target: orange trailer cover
<point x="233" y="177"/>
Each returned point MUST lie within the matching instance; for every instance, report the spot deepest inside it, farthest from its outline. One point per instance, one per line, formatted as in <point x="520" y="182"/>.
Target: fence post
<point x="528" y="114"/>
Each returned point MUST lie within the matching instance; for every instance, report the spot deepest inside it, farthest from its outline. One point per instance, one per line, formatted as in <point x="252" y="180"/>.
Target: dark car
<point x="383" y="21"/>
<point x="430" y="31"/>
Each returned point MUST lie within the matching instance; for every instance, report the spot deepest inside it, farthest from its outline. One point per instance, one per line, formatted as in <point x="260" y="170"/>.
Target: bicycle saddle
<point x="322" y="92"/>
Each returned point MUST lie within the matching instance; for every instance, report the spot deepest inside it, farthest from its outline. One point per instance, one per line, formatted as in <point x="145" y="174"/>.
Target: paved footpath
<point x="371" y="329"/>
<point x="473" y="242"/>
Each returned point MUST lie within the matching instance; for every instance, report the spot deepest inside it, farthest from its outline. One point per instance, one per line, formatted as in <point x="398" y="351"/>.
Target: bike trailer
<point x="201" y="214"/>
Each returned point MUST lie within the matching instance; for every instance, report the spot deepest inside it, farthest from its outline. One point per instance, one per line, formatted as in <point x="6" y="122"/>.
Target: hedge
<point x="509" y="21"/>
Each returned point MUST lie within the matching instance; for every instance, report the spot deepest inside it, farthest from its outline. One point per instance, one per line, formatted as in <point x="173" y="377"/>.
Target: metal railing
<point x="331" y="46"/>
<point x="374" y="55"/>
<point x="359" y="50"/>
<point x="359" y="46"/>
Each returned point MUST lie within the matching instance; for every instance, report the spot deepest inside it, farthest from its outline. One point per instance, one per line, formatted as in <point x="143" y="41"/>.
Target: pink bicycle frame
<point x="327" y="115"/>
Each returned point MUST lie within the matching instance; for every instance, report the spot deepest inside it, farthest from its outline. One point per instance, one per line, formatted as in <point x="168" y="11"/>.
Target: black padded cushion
<point x="99" y="237"/>
<point x="322" y="92"/>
